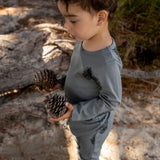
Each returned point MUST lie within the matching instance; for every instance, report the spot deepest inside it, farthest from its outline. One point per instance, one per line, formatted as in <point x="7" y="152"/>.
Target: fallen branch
<point x="131" y="73"/>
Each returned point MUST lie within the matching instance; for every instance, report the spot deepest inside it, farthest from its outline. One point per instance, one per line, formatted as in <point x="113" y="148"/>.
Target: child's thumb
<point x="69" y="106"/>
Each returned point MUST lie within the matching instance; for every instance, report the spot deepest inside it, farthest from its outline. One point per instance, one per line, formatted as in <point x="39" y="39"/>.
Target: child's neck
<point x="100" y="41"/>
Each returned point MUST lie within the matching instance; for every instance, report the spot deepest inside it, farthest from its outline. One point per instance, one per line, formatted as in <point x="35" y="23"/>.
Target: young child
<point x="93" y="81"/>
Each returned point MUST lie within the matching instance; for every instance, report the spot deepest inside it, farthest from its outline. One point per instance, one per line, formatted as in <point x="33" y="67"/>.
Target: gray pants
<point x="90" y="145"/>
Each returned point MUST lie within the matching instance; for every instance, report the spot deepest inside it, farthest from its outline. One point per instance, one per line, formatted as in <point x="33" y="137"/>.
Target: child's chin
<point x="79" y="39"/>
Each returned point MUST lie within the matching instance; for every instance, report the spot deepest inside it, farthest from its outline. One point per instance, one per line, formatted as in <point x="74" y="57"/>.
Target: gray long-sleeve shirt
<point x="93" y="85"/>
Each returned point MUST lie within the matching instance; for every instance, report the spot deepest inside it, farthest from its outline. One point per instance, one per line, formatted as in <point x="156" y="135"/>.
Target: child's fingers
<point x="60" y="118"/>
<point x="69" y="106"/>
<point x="57" y="86"/>
<point x="42" y="91"/>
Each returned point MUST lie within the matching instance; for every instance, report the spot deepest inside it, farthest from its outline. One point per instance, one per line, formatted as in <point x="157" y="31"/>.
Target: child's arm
<point x="109" y="97"/>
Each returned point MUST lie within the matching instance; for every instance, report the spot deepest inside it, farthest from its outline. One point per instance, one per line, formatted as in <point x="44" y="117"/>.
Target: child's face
<point x="81" y="24"/>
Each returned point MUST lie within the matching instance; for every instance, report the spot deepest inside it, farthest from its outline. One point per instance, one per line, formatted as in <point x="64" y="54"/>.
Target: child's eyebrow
<point x="70" y="15"/>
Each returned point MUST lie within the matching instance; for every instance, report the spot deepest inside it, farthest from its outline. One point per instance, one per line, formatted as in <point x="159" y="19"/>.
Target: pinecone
<point x="45" y="79"/>
<point x="55" y="105"/>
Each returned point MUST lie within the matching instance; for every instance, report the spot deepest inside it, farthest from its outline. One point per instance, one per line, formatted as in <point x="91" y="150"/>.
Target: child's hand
<point x="68" y="114"/>
<point x="56" y="87"/>
<point x="43" y="90"/>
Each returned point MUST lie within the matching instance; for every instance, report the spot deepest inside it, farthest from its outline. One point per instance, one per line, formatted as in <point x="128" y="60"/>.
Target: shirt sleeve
<point x="109" y="97"/>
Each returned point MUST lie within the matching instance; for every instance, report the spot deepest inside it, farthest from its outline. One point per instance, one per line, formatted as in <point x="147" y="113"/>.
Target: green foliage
<point x="136" y="23"/>
<point x="143" y="16"/>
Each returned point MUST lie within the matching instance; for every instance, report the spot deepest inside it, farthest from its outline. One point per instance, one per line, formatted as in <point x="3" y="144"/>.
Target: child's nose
<point x="66" y="25"/>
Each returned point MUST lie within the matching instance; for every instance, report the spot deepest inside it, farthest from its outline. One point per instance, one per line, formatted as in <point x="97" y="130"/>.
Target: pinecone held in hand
<point x="45" y="79"/>
<point x="55" y="105"/>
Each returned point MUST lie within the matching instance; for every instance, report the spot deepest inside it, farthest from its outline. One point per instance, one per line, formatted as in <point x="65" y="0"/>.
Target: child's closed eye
<point x="73" y="22"/>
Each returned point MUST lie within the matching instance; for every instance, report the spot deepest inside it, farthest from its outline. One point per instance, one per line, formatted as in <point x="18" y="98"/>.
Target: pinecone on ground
<point x="55" y="105"/>
<point x="45" y="79"/>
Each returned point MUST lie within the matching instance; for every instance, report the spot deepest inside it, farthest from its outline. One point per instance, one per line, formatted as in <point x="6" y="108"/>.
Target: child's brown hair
<point x="97" y="5"/>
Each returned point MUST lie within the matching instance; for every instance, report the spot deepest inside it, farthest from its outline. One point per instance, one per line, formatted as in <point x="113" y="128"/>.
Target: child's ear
<point x="102" y="17"/>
